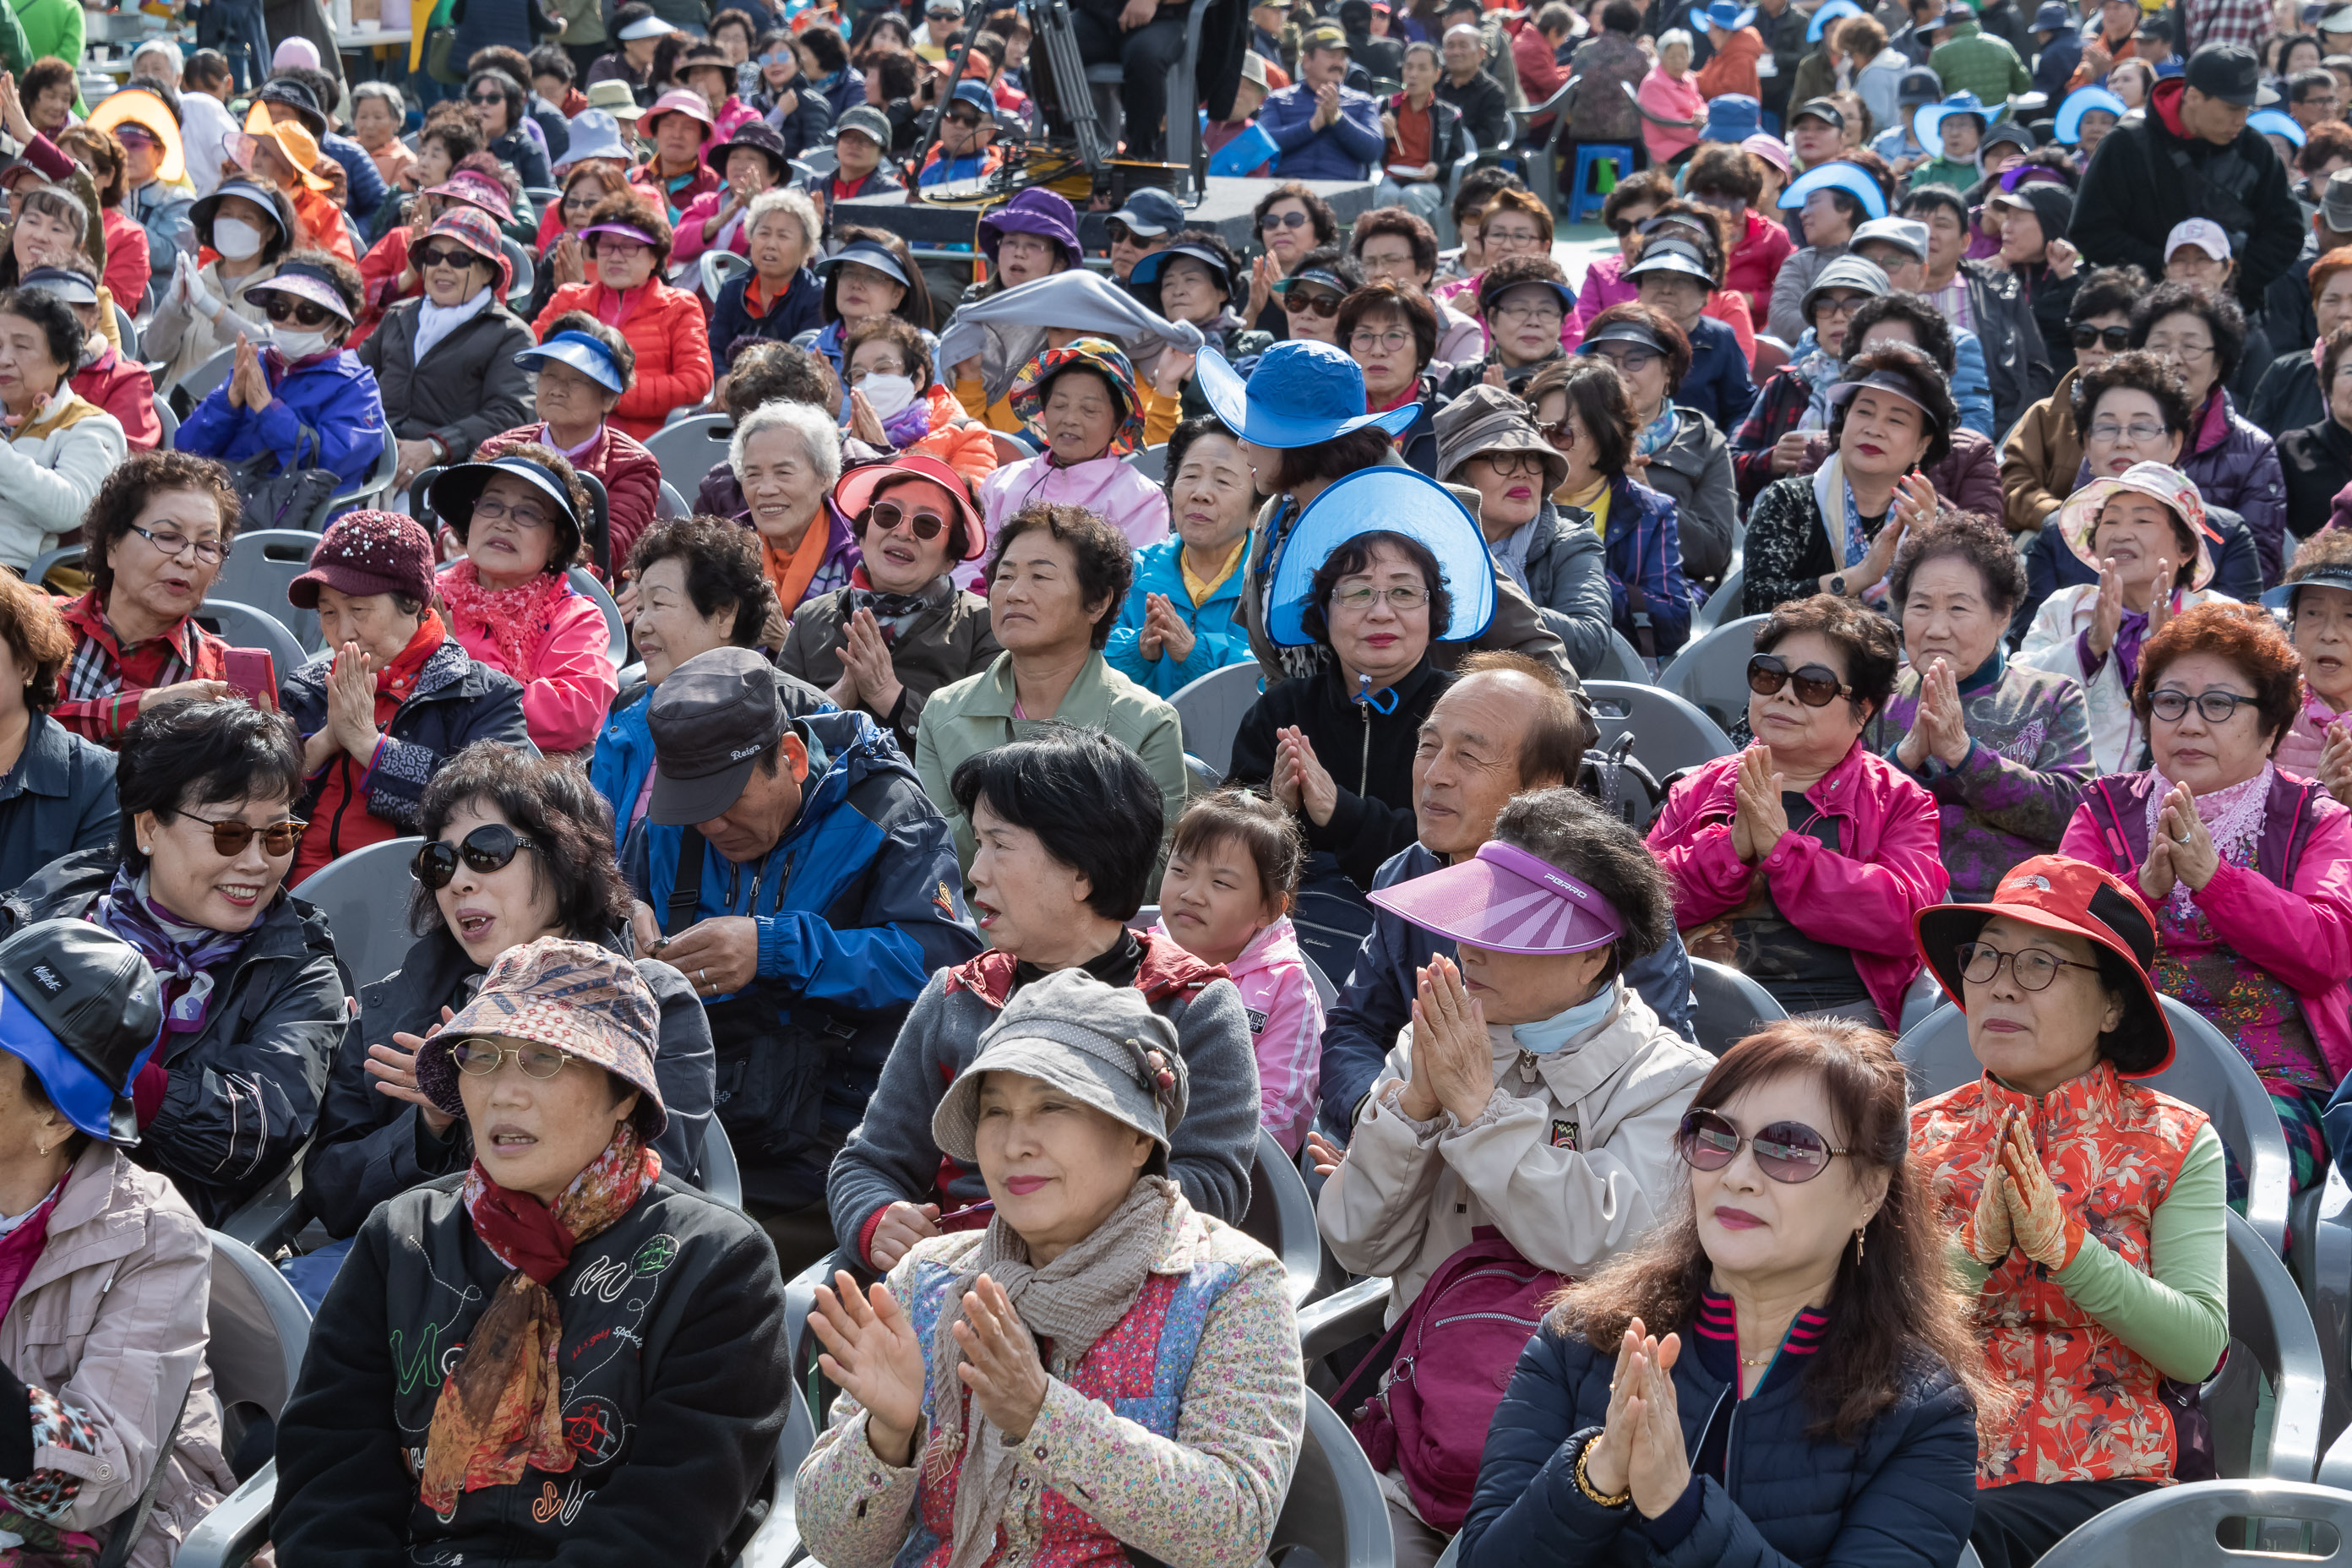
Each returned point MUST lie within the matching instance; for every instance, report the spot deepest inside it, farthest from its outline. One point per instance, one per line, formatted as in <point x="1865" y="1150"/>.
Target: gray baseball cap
<point x="1101" y="1045"/>
<point x="710" y="720"/>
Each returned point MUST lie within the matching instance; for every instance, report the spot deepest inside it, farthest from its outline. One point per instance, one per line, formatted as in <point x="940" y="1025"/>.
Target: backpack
<point x="1429" y="1422"/>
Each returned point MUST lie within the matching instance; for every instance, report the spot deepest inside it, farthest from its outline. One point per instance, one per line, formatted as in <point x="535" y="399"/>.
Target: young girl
<point x="1225" y="898"/>
<point x="2317" y="597"/>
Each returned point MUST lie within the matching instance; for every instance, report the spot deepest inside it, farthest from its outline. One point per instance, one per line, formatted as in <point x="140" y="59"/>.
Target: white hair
<point x="1673" y="35"/>
<point x="794" y="203"/>
<point x="820" y="436"/>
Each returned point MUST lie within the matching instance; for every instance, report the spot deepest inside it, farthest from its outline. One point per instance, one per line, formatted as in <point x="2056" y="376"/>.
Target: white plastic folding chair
<point x="242" y="626"/>
<point x="258" y="1331"/>
<point x="261" y="566"/>
<point x="583" y="581"/>
<point x="1712" y="670"/>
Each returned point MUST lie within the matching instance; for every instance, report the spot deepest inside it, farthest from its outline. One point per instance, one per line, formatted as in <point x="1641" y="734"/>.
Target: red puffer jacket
<point x="665" y="327"/>
<point x="631" y="477"/>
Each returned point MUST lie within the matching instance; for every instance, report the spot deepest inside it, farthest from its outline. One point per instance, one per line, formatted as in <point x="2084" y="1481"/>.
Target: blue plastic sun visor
<point x="71" y="1087"/>
<point x="1390" y="499"/>
<point x="577" y="350"/>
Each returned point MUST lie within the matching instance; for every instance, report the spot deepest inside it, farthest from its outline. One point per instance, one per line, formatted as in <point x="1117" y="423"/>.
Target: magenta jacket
<point x="1862" y="896"/>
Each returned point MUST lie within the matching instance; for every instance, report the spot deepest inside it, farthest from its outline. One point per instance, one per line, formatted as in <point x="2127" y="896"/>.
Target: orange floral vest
<point x="2087" y="1406"/>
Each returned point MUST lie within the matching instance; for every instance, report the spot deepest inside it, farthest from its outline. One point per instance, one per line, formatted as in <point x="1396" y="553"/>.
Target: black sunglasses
<point x="1283" y="220"/>
<point x="1788" y="1151"/>
<point x="488" y="847"/>
<point x="1323" y="305"/>
<point x="2114" y="339"/>
<point x="887" y="515"/>
<point x="301" y="312"/>
<point x="1816" y="686"/>
<point x="459" y="259"/>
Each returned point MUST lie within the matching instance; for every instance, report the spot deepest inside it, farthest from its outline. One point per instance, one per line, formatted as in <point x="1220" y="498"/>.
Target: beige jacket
<point x="1571" y="1160"/>
<point x="111" y="1320"/>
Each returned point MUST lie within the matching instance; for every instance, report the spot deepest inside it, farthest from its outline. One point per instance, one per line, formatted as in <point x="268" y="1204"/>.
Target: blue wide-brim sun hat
<point x="2079" y="102"/>
<point x="1851" y="178"/>
<point x="1928" y="122"/>
<point x="1723" y="13"/>
<point x="1302" y="393"/>
<point x="1390" y="499"/>
<point x="81" y="1095"/>
<point x="2276" y="123"/>
<point x="1830" y="11"/>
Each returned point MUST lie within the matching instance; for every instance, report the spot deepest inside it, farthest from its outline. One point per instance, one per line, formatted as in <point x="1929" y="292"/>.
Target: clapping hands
<point x="1453" y="1061"/>
<point x="1164" y="630"/>
<point x="2179" y="850"/>
<point x="2336" y="763"/>
<point x="1940" y="728"/>
<point x="1640" y="1449"/>
<point x="1300" y="782"/>
<point x="1759" y="818"/>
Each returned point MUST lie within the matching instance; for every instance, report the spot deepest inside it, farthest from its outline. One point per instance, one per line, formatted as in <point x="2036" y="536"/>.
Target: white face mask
<point x="888" y="393"/>
<point x="296" y="345"/>
<point x="235" y="239"/>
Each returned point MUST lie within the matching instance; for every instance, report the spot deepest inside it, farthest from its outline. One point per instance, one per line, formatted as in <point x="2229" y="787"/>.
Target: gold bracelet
<point x="1584" y="1484"/>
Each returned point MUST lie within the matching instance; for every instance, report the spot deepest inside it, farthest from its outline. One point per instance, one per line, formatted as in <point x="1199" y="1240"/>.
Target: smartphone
<point x="252" y="673"/>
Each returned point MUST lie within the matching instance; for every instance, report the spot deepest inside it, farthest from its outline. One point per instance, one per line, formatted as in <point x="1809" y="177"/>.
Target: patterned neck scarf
<point x="500" y="1412"/>
<point x="895" y="611"/>
<point x="911" y="423"/>
<point x="2232" y="815"/>
<point x="515" y="617"/>
<point x="1658" y="432"/>
<point x="183" y="956"/>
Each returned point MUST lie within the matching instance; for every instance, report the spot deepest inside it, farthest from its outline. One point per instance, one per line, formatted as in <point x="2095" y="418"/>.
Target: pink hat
<point x="677" y="101"/>
<point x="1771" y="149"/>
<point x="476" y="189"/>
<point x="1507" y="900"/>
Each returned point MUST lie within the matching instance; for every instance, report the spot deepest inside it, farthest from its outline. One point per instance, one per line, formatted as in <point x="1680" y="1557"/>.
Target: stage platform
<point x="1226" y="208"/>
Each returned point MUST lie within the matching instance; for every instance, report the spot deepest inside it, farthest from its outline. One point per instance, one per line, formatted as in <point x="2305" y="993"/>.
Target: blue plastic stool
<point x="1589" y="155"/>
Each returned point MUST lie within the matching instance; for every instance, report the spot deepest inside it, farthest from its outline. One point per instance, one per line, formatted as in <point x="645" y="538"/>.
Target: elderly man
<point x="793" y="869"/>
<point x="1327" y="129"/>
<point x="2213" y="166"/>
<point x="1507" y="725"/>
<point x="1147" y="223"/>
<point x="1478" y="97"/>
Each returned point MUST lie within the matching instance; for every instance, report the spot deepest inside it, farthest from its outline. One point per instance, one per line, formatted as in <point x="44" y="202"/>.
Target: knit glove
<point x="1987" y="1235"/>
<point x="2045" y="1232"/>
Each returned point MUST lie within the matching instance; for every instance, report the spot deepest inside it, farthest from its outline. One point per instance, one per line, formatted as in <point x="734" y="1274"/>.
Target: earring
<point x="1857" y="1245"/>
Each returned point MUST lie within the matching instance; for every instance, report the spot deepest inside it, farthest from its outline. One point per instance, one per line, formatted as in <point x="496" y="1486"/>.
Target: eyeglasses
<point x="2143" y="432"/>
<point x="1283" y="220"/>
<point x="2034" y="968"/>
<point x="1512" y="237"/>
<point x="615" y="247"/>
<point x="1815" y="686"/>
<point x="489" y="847"/>
<point x="1628" y="361"/>
<point x="2115" y="340"/>
<point x="1391" y="341"/>
<point x="211" y="551"/>
<point x="230" y="836"/>
<point x="2182" y="351"/>
<point x="488" y="508"/>
<point x="1788" y="1151"/>
<point x="1322" y="305"/>
<point x="1827" y="306"/>
<point x="1511" y="464"/>
<point x="887" y="515"/>
<point x="459" y="259"/>
<point x="2172" y="704"/>
<point x="1402" y="597"/>
<point x="482" y="1057"/>
<point x="301" y="312"/>
<point x="1529" y="314"/>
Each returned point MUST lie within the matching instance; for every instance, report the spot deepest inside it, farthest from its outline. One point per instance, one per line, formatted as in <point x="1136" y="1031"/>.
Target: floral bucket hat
<point x="1103" y="357"/>
<point x="2078" y="520"/>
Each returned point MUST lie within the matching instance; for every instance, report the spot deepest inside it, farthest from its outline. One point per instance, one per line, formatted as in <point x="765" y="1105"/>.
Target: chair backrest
<point x="1281" y="1217"/>
<point x="63" y="555"/>
<point x="686" y="449"/>
<point x="1712" y="671"/>
<point x="584" y="582"/>
<point x="2206" y="1072"/>
<point x="170" y="422"/>
<point x="199" y="383"/>
<point x="1205" y="779"/>
<point x="1324" y="992"/>
<point x="364" y="896"/>
<point x="600" y="520"/>
<point x="1011" y="448"/>
<point x="2184" y="1527"/>
<point x="525" y="274"/>
<point x="261" y="567"/>
<point x="1152" y="462"/>
<point x="259" y="1330"/>
<point x="1620" y="661"/>
<point x="128" y="331"/>
<point x="1921" y="997"/>
<point x="719" y="269"/>
<point x="242" y="626"/>
<point x="375" y="483"/>
<point x="669" y="503"/>
<point x="1669" y="733"/>
<point x="1728" y="1006"/>
<point x="1334" y="1508"/>
<point x="722" y="1177"/>
<point x="1210" y="711"/>
<point x="1723" y="601"/>
<point x="2270" y="1325"/>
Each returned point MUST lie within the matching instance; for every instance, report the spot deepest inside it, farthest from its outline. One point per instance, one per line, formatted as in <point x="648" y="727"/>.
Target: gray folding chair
<point x="198" y="384"/>
<point x="1324" y="992"/>
<point x="1728" y="1006"/>
<point x="63" y="555"/>
<point x="777" y="1542"/>
<point x="2271" y="1340"/>
<point x="259" y="569"/>
<point x="1281" y="1217"/>
<point x="127" y="330"/>
<point x="2186" y="1527"/>
<point x="1334" y="1510"/>
<point x="525" y="274"/>
<point x="259" y="1330"/>
<point x="1923" y="997"/>
<point x="686" y="449"/>
<point x="169" y="421"/>
<point x="242" y="626"/>
<point x="1011" y="448"/>
<point x="372" y="486"/>
<point x="2322" y="1256"/>
<point x="1211" y="711"/>
<point x="364" y="896"/>
<point x="722" y="1177"/>
<point x="1669" y="733"/>
<point x="1712" y="670"/>
<point x="583" y="581"/>
<point x="1620" y="661"/>
<point x="720" y="267"/>
<point x="1152" y="462"/>
<point x="1723" y="602"/>
<point x="669" y="503"/>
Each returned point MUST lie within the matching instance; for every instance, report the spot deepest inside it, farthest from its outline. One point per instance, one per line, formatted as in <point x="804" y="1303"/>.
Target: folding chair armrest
<point x="270" y="1219"/>
<point x="1342" y="1318"/>
<point x="229" y="1535"/>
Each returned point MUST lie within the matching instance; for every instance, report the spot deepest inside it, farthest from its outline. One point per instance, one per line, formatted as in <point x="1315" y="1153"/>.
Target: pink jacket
<point x="732" y="116"/>
<point x="2299" y="748"/>
<point x="1107" y="487"/>
<point x="570" y="682"/>
<point x="1670" y="98"/>
<point x="687" y="241"/>
<point x="1862" y="896"/>
<point x="1285" y="1027"/>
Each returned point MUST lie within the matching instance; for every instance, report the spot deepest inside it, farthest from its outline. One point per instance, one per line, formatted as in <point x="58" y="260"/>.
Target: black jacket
<point x="806" y="125"/>
<point x="371" y="1147"/>
<point x="58" y="799"/>
<point x="1784" y="40"/>
<point x="2286" y="304"/>
<point x="520" y="151"/>
<point x="675" y="1378"/>
<point x="1369" y="754"/>
<point x="468" y="388"/>
<point x="1486" y="112"/>
<point x="2287" y="398"/>
<point x="2317" y="461"/>
<point x="244" y="1090"/>
<point x="2018" y="358"/>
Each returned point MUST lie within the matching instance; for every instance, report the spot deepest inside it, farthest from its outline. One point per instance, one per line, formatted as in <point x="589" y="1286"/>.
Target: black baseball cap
<point x="710" y="720"/>
<point x="1822" y="108"/>
<point x="2227" y="71"/>
<point x="81" y="1008"/>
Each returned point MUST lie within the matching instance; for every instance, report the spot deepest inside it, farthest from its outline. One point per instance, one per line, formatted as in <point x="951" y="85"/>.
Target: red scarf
<point x="395" y="681"/>
<point x="515" y="618"/>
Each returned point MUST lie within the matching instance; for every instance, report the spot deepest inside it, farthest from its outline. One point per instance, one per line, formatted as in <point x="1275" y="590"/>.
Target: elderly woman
<point x="2291" y="393"/>
<point x="2318" y="599"/>
<point x="1533" y="1027"/>
<point x="57" y="788"/>
<point x="1086" y="1080"/>
<point x="2145" y="530"/>
<point x="59" y="444"/>
<point x="2084" y="1207"/>
<point x="676" y="1385"/>
<point x="1179" y="622"/>
<point x="1513" y="223"/>
<point x="627" y="241"/>
<point x="2232" y="463"/>
<point x="103" y="1319"/>
<point x="399" y="698"/>
<point x="1769" y="444"/>
<point x="247" y="229"/>
<point x="496" y="100"/>
<point x="779" y="298"/>
<point x="155" y="538"/>
<point x="900" y="630"/>
<point x="1522" y="301"/>
<point x="1195" y="280"/>
<point x="1835" y="531"/>
<point x="1802" y="859"/>
<point x="303" y="399"/>
<point x="1683" y="457"/>
<point x="2004" y="748"/>
<point x="389" y="272"/>
<point x="126" y="243"/>
<point x="898" y="406"/>
<point x="2040" y="457"/>
<point x="1804" y="1227"/>
<point x="1309" y="296"/>
<point x="1288" y="222"/>
<point x="2249" y="869"/>
<point x="2315" y="460"/>
<point x="1081" y="404"/>
<point x="1064" y="861"/>
<point x="510" y="600"/>
<point x="579" y="377"/>
<point x="253" y="997"/>
<point x="562" y="257"/>
<point x="695" y="586"/>
<point x="1396" y="245"/>
<point x="515" y="849"/>
<point x="1681" y="276"/>
<point x="1390" y="330"/>
<point x="787" y="457"/>
<point x="750" y="161"/>
<point x="1056" y="576"/>
<point x="1731" y="181"/>
<point x="475" y="384"/>
<point x="870" y="273"/>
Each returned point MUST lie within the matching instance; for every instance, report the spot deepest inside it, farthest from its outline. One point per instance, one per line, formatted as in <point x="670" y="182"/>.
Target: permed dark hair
<point x="1180" y="441"/>
<point x="2139" y="371"/>
<point x="36" y="638"/>
<point x="765" y="370"/>
<point x="1981" y="542"/>
<point x="1862" y="634"/>
<point x="1319" y="217"/>
<point x="1929" y="388"/>
<point x="1400" y="301"/>
<point x="722" y="567"/>
<point x="1676" y="341"/>
<point x="1402" y="223"/>
<point x="1103" y="559"/>
<point x="551" y="803"/>
<point x="186" y="753"/>
<point x="1565" y="827"/>
<point x="60" y="328"/>
<point x="629" y="207"/>
<point x="124" y="493"/>
<point x="1354" y="555"/>
<point x="1718" y="169"/>
<point x="2218" y="311"/>
<point x="2107" y="292"/>
<point x="1928" y="327"/>
<point x="1267" y="834"/>
<point x="1093" y="805"/>
<point x="1366" y="447"/>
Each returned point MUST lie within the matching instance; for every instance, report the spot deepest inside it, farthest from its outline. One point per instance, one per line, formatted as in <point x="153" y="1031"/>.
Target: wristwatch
<point x="1837" y="584"/>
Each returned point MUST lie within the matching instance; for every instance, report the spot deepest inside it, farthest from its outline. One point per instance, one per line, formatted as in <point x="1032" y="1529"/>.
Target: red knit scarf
<point x="515" y="617"/>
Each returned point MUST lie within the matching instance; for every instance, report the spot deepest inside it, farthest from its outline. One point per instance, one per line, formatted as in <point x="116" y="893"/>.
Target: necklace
<point x="1764" y="1360"/>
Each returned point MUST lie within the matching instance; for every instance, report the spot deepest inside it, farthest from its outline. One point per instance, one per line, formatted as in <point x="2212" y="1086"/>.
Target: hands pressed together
<point x="2336" y="763"/>
<point x="1940" y="728"/>
<point x="1640" y="1449"/>
<point x="2019" y="1208"/>
<point x="1300" y="780"/>
<point x="1453" y="1061"/>
<point x="2179" y="850"/>
<point x="1164" y="630"/>
<point x="1759" y="818"/>
<point x="2107" y="613"/>
<point x="868" y="679"/>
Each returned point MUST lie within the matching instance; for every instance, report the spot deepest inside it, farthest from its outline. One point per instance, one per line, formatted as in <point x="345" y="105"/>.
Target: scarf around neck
<point x="501" y="1411"/>
<point x="1073" y="1301"/>
<point x="516" y="617"/>
<point x="183" y="956"/>
<point x="435" y="323"/>
<point x="1658" y="433"/>
<point x="2234" y="816"/>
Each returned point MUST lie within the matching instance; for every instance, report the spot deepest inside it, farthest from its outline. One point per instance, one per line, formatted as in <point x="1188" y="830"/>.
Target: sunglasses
<point x="1788" y="1151"/>
<point x="887" y="515"/>
<point x="1120" y="233"/>
<point x="488" y="100"/>
<point x="1282" y="220"/>
<point x="1323" y="305"/>
<point x="301" y="312"/>
<point x="483" y="1057"/>
<point x="458" y="260"/>
<point x="1816" y="686"/>
<point x="231" y="836"/>
<point x="2113" y="339"/>
<point x="489" y="847"/>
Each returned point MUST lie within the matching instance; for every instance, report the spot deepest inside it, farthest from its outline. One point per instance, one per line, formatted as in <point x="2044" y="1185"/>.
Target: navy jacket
<point x="56" y="800"/>
<point x="1377" y="999"/>
<point x="361" y="176"/>
<point x="798" y="312"/>
<point x="1347" y="149"/>
<point x="1718" y="384"/>
<point x="1901" y="1497"/>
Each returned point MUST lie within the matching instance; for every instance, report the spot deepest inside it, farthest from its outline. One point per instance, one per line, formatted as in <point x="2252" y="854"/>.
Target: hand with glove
<point x="2044" y="1231"/>
<point x="1987" y="1235"/>
<point x="209" y="305"/>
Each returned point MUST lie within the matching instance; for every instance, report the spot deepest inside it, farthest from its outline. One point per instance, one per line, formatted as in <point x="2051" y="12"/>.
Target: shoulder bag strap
<point x="685" y="890"/>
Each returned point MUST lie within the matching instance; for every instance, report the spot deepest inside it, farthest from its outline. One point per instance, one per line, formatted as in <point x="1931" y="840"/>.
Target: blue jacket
<point x="1901" y="1496"/>
<point x="1971" y="385"/>
<point x="1643" y="547"/>
<point x="326" y="414"/>
<point x="359" y="173"/>
<point x="2050" y="566"/>
<point x="1377" y="999"/>
<point x="786" y="319"/>
<point x="625" y="747"/>
<point x="1217" y="641"/>
<point x="58" y="799"/>
<point x="1345" y="150"/>
<point x="1717" y="382"/>
<point x="2054" y="67"/>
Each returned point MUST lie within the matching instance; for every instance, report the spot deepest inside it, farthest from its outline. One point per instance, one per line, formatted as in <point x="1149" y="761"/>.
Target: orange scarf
<point x="790" y="571"/>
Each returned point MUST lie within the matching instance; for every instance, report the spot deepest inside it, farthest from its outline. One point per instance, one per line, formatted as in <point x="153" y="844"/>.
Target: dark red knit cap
<point x="368" y="553"/>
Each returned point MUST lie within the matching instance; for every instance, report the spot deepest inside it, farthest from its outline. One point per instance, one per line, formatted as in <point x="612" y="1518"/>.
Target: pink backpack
<point x="1449" y="1358"/>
